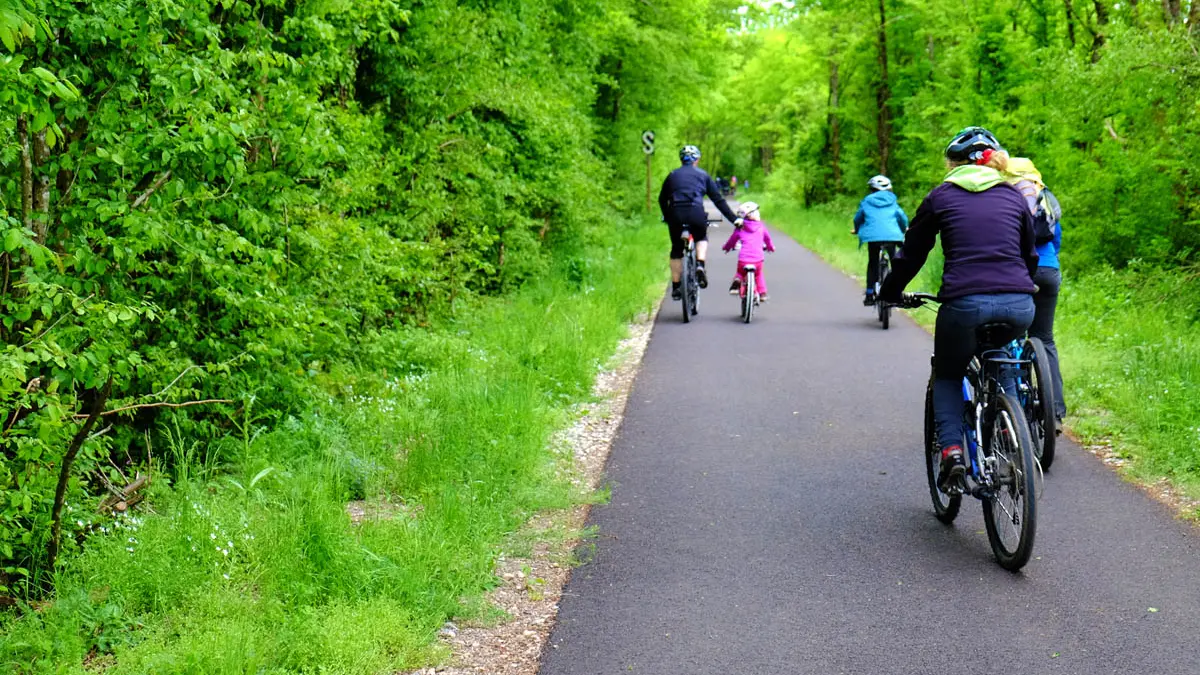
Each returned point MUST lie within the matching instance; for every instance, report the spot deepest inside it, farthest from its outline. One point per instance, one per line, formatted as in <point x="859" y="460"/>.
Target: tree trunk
<point x="1194" y="17"/>
<point x="26" y="171"/>
<point x="883" y="124"/>
<point x="1171" y="11"/>
<point x="41" y="187"/>
<point x="1098" y="34"/>
<point x="616" y="108"/>
<point x="834" y="118"/>
<point x="1070" y="22"/>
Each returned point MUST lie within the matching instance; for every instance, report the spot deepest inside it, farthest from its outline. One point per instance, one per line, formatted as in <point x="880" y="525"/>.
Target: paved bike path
<point x="769" y="514"/>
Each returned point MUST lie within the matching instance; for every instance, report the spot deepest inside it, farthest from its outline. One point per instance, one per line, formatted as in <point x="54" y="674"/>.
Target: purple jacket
<point x="987" y="238"/>
<point x="754" y="237"/>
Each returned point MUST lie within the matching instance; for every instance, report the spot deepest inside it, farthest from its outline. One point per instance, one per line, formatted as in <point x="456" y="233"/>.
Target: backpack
<point x="1045" y="209"/>
<point x="1046" y="214"/>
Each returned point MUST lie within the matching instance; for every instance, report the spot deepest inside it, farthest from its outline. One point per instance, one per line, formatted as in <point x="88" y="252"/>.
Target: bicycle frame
<point x="982" y="383"/>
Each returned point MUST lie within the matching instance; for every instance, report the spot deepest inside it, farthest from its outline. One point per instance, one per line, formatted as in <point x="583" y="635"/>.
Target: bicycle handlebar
<point x="915" y="300"/>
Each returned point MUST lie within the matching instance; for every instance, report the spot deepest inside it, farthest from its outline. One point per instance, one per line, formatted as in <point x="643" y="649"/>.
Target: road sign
<point x="648" y="142"/>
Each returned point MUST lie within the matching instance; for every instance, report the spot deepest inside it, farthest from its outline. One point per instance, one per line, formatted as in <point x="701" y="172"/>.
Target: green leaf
<point x="43" y="74"/>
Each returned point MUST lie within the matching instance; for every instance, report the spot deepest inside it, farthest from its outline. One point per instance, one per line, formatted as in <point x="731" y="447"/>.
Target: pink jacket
<point x="754" y="237"/>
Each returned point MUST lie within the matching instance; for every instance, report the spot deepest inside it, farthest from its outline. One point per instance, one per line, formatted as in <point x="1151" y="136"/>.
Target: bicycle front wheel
<point x="945" y="507"/>
<point x="1010" y="513"/>
<point x="1039" y="402"/>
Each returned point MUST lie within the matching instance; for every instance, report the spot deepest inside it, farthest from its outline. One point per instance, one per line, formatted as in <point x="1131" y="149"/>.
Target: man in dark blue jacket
<point x="991" y="257"/>
<point x="681" y="201"/>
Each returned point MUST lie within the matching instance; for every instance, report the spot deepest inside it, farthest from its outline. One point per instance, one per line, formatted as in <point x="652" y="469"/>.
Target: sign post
<point x="648" y="149"/>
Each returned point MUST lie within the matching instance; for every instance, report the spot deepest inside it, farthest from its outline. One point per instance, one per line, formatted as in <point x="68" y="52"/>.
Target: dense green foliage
<point x="1102" y="96"/>
<point x="238" y="202"/>
<point x="255" y="567"/>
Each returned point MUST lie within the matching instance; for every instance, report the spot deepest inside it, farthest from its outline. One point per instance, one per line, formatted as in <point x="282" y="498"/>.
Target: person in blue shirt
<point x="1049" y="279"/>
<point x="880" y="223"/>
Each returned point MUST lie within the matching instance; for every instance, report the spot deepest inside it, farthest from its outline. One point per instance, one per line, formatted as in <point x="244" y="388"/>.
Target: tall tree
<point x="883" y="95"/>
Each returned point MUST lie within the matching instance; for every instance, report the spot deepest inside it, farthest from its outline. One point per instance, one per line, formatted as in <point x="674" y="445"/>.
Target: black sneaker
<point x="676" y="294"/>
<point x="868" y="299"/>
<point x="952" y="471"/>
<point x="701" y="276"/>
<point x="735" y="287"/>
<point x="1058" y="426"/>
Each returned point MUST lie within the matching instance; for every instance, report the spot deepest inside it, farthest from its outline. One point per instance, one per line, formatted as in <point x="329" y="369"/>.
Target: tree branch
<point x="60" y="319"/>
<point x="139" y="406"/>
<point x="64" y="472"/>
<point x="159" y="182"/>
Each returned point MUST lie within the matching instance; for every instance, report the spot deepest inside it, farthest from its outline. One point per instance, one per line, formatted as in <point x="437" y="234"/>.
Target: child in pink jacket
<point x="754" y="238"/>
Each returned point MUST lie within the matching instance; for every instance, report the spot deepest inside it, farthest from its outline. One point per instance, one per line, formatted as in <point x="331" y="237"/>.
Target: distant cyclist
<point x="988" y="240"/>
<point x="682" y="203"/>
<point x="880" y="223"/>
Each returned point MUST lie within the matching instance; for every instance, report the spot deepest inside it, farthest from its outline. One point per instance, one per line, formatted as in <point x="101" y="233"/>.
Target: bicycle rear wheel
<point x="884" y="309"/>
<point x="945" y="507"/>
<point x="748" y="298"/>
<point x="1010" y="514"/>
<point x="689" y="272"/>
<point x="1039" y="402"/>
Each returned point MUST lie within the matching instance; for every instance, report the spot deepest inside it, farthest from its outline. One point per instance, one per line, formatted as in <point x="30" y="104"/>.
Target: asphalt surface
<point x="770" y="514"/>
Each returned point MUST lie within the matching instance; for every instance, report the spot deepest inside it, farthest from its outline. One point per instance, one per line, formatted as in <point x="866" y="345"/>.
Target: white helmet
<point x="747" y="209"/>
<point x="880" y="183"/>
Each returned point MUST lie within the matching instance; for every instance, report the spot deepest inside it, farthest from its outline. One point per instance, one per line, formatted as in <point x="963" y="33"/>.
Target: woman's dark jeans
<point x="1045" y="300"/>
<point x="954" y="344"/>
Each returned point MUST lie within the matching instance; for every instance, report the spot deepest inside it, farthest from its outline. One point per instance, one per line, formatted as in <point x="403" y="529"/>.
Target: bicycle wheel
<point x="1010" y="513"/>
<point x="945" y="507"/>
<point x="748" y="298"/>
<point x="686" y="283"/>
<point x="1039" y="402"/>
<point x="694" y="288"/>
<point x="884" y="309"/>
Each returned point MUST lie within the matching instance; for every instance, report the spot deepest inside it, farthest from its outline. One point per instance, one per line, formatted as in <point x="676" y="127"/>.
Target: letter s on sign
<point x="648" y="142"/>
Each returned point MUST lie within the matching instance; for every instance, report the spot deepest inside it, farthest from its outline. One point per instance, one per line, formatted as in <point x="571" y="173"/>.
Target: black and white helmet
<point x="880" y="183"/>
<point x="970" y="144"/>
<point x="689" y="153"/>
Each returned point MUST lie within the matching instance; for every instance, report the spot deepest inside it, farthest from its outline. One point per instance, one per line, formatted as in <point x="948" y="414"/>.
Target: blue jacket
<point x="880" y="218"/>
<point x="1048" y="252"/>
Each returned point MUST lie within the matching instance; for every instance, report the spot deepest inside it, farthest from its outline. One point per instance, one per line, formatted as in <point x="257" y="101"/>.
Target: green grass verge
<point x="257" y="568"/>
<point x="1128" y="341"/>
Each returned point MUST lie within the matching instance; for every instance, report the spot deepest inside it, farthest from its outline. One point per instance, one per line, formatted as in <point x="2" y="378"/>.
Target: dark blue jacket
<point x="987" y="238"/>
<point x="684" y="191"/>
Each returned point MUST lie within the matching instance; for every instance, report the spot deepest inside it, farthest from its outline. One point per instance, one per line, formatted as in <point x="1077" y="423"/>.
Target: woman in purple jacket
<point x="991" y="257"/>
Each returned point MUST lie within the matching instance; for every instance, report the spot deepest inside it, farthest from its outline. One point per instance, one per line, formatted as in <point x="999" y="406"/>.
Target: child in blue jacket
<point x="880" y="223"/>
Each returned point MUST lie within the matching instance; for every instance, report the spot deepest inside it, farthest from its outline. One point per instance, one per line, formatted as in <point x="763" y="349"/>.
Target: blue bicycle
<point x="1035" y="391"/>
<point x="1001" y="469"/>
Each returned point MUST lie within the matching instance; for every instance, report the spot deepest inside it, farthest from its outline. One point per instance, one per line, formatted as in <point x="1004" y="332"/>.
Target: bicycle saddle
<point x="750" y="268"/>
<point x="995" y="334"/>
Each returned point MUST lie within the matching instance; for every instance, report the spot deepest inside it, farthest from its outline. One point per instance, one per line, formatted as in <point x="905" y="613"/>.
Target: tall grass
<point x="257" y="568"/>
<point x="1128" y="341"/>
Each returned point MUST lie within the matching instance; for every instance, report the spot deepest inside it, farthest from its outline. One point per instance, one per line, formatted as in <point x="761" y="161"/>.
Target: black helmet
<point x="689" y="153"/>
<point x="968" y="145"/>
